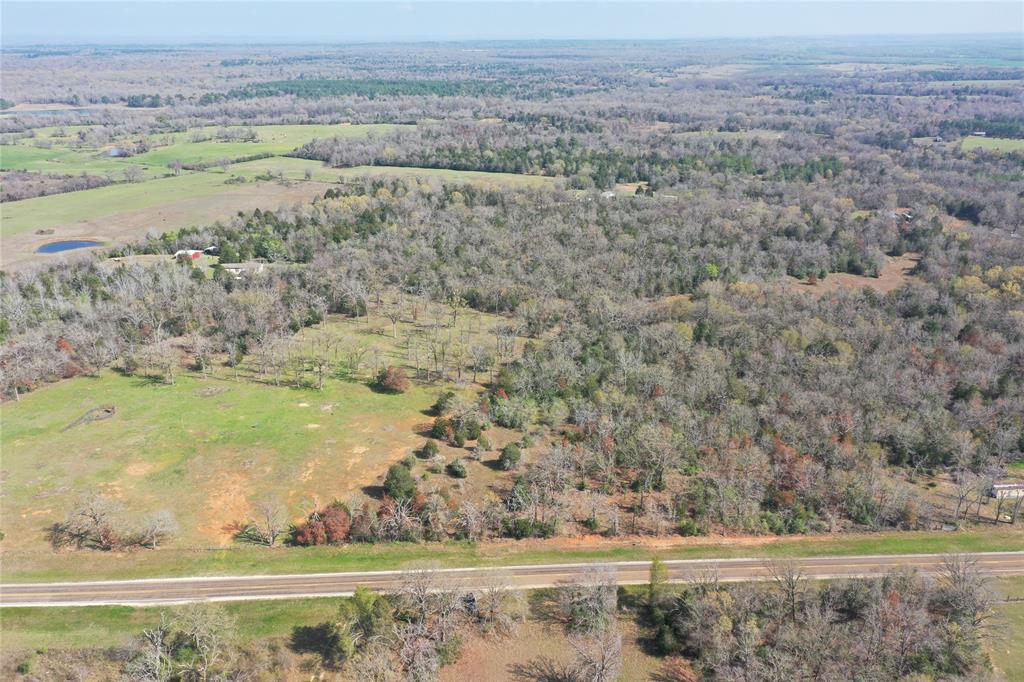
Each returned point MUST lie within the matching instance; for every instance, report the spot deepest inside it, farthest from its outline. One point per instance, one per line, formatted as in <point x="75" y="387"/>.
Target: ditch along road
<point x="155" y="591"/>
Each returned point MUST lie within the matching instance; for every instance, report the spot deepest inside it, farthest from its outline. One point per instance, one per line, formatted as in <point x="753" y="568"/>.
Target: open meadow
<point x="151" y="194"/>
<point x="212" y="444"/>
<point x="993" y="144"/>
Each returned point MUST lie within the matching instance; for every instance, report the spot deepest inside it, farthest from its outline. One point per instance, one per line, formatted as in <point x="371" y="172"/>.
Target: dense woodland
<point x="676" y="379"/>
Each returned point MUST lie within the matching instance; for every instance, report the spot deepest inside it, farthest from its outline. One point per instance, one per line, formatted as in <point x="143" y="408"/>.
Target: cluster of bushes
<point x="328" y="526"/>
<point x="900" y="626"/>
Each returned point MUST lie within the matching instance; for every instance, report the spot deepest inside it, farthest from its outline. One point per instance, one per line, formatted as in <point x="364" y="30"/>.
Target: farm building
<point x="1006" y="490"/>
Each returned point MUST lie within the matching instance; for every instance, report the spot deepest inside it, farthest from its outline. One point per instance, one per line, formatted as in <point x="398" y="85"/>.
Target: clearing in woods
<point x="157" y="199"/>
<point x="894" y="273"/>
<point x="163" y="202"/>
<point x="295" y="168"/>
<point x="993" y="144"/>
<point x="209" y="446"/>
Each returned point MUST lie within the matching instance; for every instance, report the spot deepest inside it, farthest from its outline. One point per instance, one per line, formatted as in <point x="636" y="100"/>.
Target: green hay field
<point x="273" y="139"/>
<point x="993" y="144"/>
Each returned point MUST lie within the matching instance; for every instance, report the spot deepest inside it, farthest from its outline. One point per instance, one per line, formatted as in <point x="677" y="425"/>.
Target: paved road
<point x="180" y="590"/>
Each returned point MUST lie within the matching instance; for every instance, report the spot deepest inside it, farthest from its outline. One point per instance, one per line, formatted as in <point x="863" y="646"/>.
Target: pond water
<point x="67" y="245"/>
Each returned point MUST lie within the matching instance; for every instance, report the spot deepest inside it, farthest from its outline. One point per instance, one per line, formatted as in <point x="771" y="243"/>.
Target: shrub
<point x="473" y="430"/>
<point x="393" y="380"/>
<point x="399" y="483"/>
<point x="457" y="469"/>
<point x="337" y="523"/>
<point x="527" y="528"/>
<point x="510" y="457"/>
<point x="512" y="413"/>
<point x="310" y="534"/>
<point x="409" y="461"/>
<point x="442" y="428"/>
<point x="689" y="528"/>
<point x="444" y="403"/>
<point x="429" y="449"/>
<point x="483" y="442"/>
<point x="460" y="439"/>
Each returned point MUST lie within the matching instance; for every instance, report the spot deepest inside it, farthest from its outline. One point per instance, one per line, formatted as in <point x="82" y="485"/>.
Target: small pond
<point x="67" y="245"/>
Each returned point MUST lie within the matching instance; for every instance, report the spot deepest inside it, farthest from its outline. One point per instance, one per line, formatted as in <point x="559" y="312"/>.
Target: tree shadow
<point x="495" y="465"/>
<point x="245" y="533"/>
<point x="321" y="640"/>
<point x="144" y="380"/>
<point x="374" y="491"/>
<point x="544" y="606"/>
<point x="541" y="669"/>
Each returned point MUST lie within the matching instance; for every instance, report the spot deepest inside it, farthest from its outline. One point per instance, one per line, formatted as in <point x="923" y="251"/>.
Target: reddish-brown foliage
<point x="337" y="523"/>
<point x="393" y="379"/>
<point x="310" y="533"/>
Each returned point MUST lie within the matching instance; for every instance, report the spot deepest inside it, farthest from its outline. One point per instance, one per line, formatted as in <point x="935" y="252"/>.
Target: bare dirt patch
<point x="494" y="658"/>
<point x="226" y="502"/>
<point x="138" y="468"/>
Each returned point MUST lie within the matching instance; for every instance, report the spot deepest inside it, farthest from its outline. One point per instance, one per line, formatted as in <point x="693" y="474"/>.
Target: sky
<point x="300" y="21"/>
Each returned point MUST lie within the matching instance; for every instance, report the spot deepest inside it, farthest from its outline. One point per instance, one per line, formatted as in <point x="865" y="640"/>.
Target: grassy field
<point x="209" y="446"/>
<point x="295" y="169"/>
<point x="107" y="626"/>
<point x="64" y="161"/>
<point x="161" y="201"/>
<point x="57" y="209"/>
<point x="122" y="212"/>
<point x="1007" y="649"/>
<point x="272" y="139"/>
<point x="994" y="144"/>
<point x="205" y="447"/>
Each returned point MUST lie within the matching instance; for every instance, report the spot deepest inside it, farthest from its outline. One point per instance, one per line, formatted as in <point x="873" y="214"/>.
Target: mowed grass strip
<point x="242" y="560"/>
<point x="90" y="627"/>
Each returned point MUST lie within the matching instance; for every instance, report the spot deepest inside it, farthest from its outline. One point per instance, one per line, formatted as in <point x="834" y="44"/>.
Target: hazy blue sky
<point x="148" y="21"/>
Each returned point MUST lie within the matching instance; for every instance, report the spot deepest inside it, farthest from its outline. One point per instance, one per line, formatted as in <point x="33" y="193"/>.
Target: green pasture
<point x="272" y="139"/>
<point x="294" y="168"/>
<point x="58" y="209"/>
<point x="993" y="144"/>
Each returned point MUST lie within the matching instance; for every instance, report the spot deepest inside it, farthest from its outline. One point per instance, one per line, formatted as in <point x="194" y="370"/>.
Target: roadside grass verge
<point x="87" y="627"/>
<point x="44" y="566"/>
